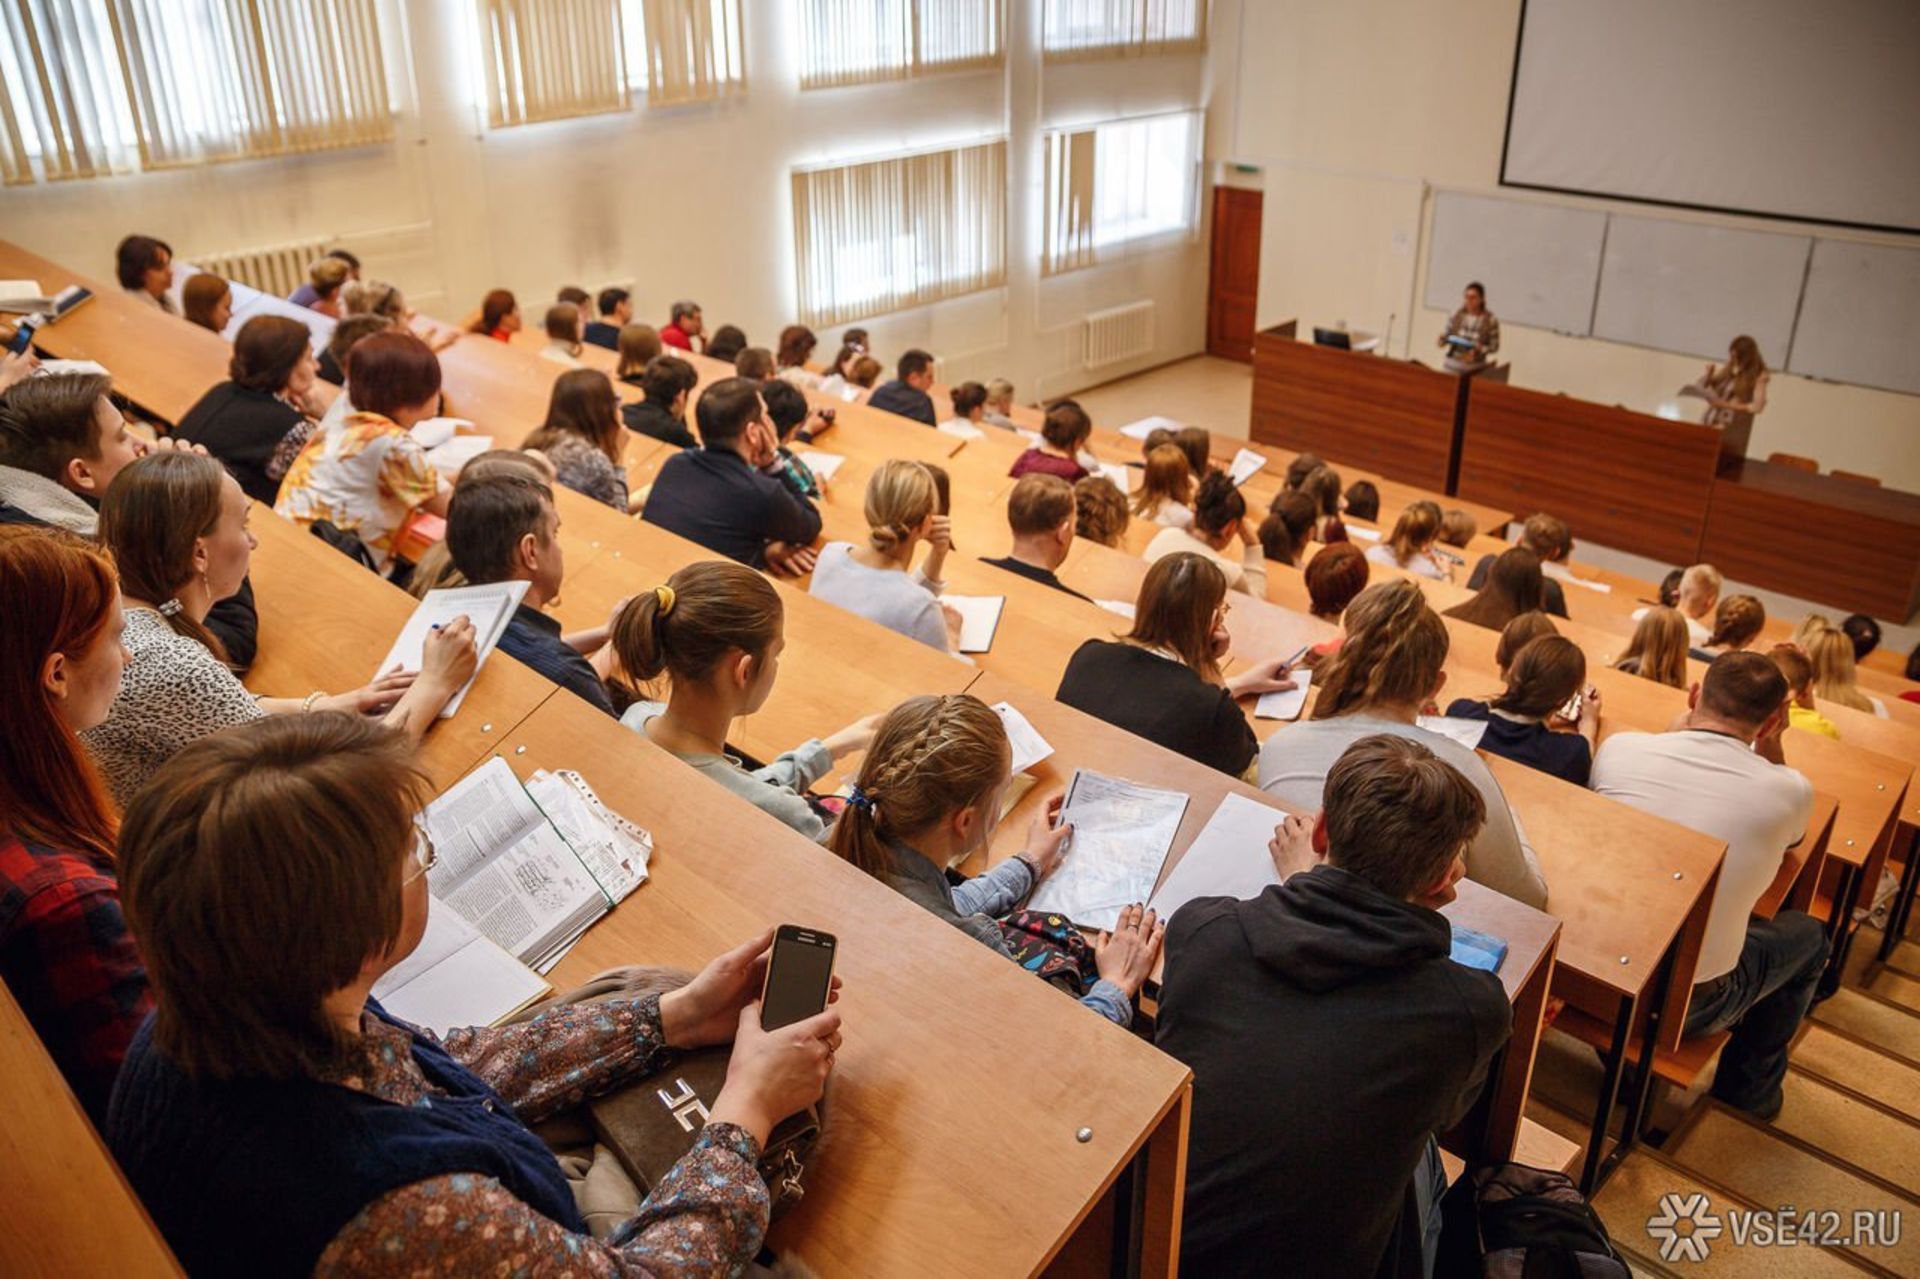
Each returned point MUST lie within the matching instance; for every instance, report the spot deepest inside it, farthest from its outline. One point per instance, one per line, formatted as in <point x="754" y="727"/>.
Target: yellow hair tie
<point x="665" y="595"/>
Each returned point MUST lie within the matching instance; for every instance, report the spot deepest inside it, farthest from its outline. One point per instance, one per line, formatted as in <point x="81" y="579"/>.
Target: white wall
<point x="1358" y="110"/>
<point x="684" y="202"/>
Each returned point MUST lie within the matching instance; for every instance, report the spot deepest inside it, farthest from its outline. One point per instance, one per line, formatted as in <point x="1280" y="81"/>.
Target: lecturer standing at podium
<point x="1472" y="334"/>
<point x="1736" y="387"/>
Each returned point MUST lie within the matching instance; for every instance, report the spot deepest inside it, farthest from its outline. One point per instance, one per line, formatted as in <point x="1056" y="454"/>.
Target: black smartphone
<point x="23" y="336"/>
<point x="799" y="974"/>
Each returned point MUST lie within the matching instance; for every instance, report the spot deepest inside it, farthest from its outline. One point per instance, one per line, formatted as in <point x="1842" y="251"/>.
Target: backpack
<point x="1515" y="1222"/>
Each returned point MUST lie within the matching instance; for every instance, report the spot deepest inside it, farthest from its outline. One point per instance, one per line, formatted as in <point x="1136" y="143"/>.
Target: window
<point x="862" y="41"/>
<point x="551" y="59"/>
<point x="1114" y="184"/>
<point x="199" y="80"/>
<point x="889" y="234"/>
<point x="1120" y="28"/>
<point x="685" y="50"/>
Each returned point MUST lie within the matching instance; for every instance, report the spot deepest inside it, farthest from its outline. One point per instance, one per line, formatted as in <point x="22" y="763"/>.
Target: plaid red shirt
<point x="69" y="960"/>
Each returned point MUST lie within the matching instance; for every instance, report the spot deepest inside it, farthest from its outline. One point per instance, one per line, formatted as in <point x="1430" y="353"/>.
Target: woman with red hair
<point x="64" y="947"/>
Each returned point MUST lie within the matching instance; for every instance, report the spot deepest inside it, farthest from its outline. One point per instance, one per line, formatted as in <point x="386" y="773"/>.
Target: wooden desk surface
<point x="903" y="1174"/>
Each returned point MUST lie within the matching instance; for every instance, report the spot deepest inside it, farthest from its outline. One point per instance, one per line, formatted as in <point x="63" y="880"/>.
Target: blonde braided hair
<point x="931" y="756"/>
<point x="1395" y="648"/>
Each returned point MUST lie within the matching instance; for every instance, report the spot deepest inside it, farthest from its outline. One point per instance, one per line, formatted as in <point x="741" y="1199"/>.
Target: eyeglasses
<point x="423" y="855"/>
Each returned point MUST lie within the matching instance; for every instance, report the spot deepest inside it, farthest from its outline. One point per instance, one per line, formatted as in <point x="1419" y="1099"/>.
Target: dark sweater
<point x="651" y="419"/>
<point x="1330" y="1035"/>
<point x="898" y="397"/>
<point x="714" y="497"/>
<point x="245" y="430"/>
<point x="1553" y="595"/>
<point x="1033" y="573"/>
<point x="601" y="334"/>
<point x="1161" y="700"/>
<point x="1563" y="755"/>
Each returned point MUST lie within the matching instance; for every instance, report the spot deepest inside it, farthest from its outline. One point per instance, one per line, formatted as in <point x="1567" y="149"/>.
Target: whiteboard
<point x="1860" y="318"/>
<point x="1691" y="288"/>
<point x="1540" y="262"/>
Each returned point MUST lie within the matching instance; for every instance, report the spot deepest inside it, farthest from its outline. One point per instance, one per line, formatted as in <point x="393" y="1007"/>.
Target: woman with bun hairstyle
<point x="878" y="580"/>
<point x="1219" y="519"/>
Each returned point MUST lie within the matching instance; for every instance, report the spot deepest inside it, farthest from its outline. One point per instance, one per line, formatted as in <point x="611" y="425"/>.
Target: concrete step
<point x="1878" y="1076"/>
<point x="1896" y="987"/>
<point x="1851" y="1130"/>
<point x="1887" y="1026"/>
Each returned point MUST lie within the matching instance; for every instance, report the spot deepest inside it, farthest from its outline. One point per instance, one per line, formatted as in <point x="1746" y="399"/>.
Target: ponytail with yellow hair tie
<point x="664" y="595"/>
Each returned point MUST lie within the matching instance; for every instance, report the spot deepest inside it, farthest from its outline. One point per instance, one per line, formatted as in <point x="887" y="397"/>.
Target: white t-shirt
<point x="1248" y="574"/>
<point x="1716" y="785"/>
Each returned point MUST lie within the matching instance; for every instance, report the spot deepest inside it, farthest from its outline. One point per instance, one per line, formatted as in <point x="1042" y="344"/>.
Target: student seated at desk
<point x="1387" y="673"/>
<point x="1457" y="528"/>
<point x="1547" y="537"/>
<point x="1198" y="446"/>
<point x="969" y="409"/>
<point x="583" y="438"/>
<point x="354" y="1144"/>
<point x="377" y="297"/>
<point x="1696" y="597"/>
<point x="1166" y="489"/>
<point x="639" y="346"/>
<point x="754" y="363"/>
<point x="1410" y="545"/>
<point x="794" y="421"/>
<point x="1335" y="576"/>
<point x="1737" y="623"/>
<point x="564" y="324"/>
<point x="907" y="393"/>
<point x="727" y="343"/>
<point x="685" y="324"/>
<point x="999" y="404"/>
<point x="929" y="796"/>
<point x="721" y="496"/>
<point x="615" y="310"/>
<point x="662" y="412"/>
<point x="504" y="528"/>
<point x="1040" y="510"/>
<point x="1658" y="649"/>
<point x="1063" y="434"/>
<point x="1802" y="711"/>
<point x="1863" y="631"/>
<point x="499" y="316"/>
<point x="1517" y="634"/>
<point x="1541" y="679"/>
<point x="878" y="581"/>
<point x="207" y="300"/>
<point x="65" y="952"/>
<point x="792" y="352"/>
<point x="716" y="630"/>
<point x="1362" y="501"/>
<point x="1288" y="527"/>
<point x="1099" y="509"/>
<point x="1219" y="516"/>
<point x="1331" y="1036"/>
<point x="1514" y="586"/>
<point x="1163" y="680"/>
<point x="346" y="335"/>
<point x="1322" y="485"/>
<point x="839" y="374"/>
<point x="1724" y="774"/>
<point x="326" y="276"/>
<point x="144" y="267"/>
<point x="365" y="473"/>
<point x="263" y="415"/>
<point x="176" y="523"/>
<point x="1835" y="676"/>
<point x="62" y="442"/>
<point x="436" y="568"/>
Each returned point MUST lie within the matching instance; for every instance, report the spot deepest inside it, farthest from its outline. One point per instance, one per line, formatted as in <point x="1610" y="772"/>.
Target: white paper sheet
<point x="958" y="427"/>
<point x="432" y="432"/>
<point x="1245" y="465"/>
<point x="979" y="619"/>
<point x="1147" y="426"/>
<point x="456" y="977"/>
<point x="448" y="459"/>
<point x="1228" y="858"/>
<point x="1120" y="473"/>
<point x="1289" y="704"/>
<point x="1123" y="607"/>
<point x="823" y="465"/>
<point x="1029" y="748"/>
<point x="55" y="368"/>
<point x="1031" y="437"/>
<point x="1467" y="732"/>
<point x="489" y="608"/>
<point x="616" y="852"/>
<point x="1122" y="832"/>
<point x="1363" y="534"/>
<point x="1561" y="573"/>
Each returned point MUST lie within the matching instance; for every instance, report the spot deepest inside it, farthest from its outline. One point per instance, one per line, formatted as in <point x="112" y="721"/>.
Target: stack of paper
<point x="1228" y="858"/>
<point x="1245" y="465"/>
<point x="1029" y="748"/>
<point x="1122" y="832"/>
<point x="979" y="619"/>
<point x="823" y="465"/>
<point x="1147" y="426"/>
<point x="488" y="607"/>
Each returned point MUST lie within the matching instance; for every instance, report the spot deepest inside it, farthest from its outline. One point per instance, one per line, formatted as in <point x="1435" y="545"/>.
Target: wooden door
<point x="1233" y="284"/>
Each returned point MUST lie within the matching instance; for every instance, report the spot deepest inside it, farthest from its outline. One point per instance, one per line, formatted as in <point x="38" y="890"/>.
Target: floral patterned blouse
<point x="706" y="1217"/>
<point x="365" y="475"/>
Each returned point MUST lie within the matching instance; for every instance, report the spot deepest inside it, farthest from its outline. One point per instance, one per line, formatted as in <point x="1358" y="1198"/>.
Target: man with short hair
<point x="907" y="393"/>
<point x="504" y="528"/>
<point x="1040" y="511"/>
<point x="1546" y="536"/>
<point x="1330" y="1034"/>
<point x="616" y="310"/>
<point x="684" y="326"/>
<point x="1721" y="771"/>
<point x="722" y="494"/>
<point x="662" y="411"/>
<point x="62" y="441"/>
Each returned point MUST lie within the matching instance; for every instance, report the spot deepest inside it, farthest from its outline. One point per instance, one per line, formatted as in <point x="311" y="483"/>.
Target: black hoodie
<point x="1330" y="1035"/>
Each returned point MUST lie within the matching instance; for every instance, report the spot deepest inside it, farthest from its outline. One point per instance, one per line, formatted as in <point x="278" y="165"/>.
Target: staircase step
<point x="1897" y="987"/>
<point x="1755" y="1163"/>
<point x="1906" y="957"/>
<point x="1850" y="1129"/>
<point x="1632" y="1196"/>
<point x="1875" y="1075"/>
<point x="1886" y="1026"/>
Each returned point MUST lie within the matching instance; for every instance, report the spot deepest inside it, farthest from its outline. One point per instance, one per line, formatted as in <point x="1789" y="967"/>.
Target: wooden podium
<point x="1393" y="417"/>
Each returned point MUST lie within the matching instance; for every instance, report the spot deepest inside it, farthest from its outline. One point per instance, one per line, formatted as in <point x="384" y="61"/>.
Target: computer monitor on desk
<point x="1337" y="338"/>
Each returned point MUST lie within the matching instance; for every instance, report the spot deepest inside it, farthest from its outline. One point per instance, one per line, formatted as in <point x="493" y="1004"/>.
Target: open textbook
<point x="1122" y="832"/>
<point x="531" y="866"/>
<point x="489" y="608"/>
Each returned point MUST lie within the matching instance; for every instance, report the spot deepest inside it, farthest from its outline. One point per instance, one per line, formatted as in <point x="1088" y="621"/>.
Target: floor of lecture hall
<point x="1218" y="394"/>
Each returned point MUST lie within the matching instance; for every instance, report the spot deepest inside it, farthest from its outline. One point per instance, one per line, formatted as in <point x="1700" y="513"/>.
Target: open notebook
<point x="489" y="608"/>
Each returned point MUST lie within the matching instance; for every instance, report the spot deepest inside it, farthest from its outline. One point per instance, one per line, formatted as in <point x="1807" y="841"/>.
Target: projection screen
<point x="1802" y="109"/>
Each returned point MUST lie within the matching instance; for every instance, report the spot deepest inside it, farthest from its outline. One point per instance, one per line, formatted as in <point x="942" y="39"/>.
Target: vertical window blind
<point x="551" y="59"/>
<point x="863" y="41"/>
<point x="88" y="85"/>
<point x="889" y="234"/>
<point x="691" y="50"/>
<point x="1122" y="28"/>
<point x="1108" y="185"/>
